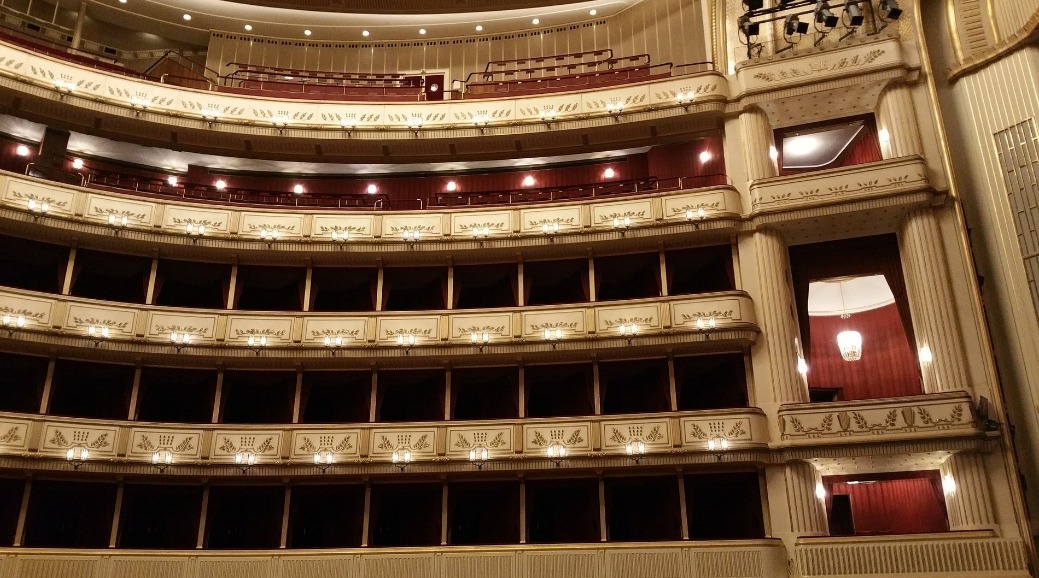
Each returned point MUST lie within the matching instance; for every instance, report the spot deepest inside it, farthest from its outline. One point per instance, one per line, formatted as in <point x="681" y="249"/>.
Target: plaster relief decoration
<point x="830" y="64"/>
<point x="714" y="204"/>
<point x="687" y="92"/>
<point x="425" y="329"/>
<point x="37" y="312"/>
<point x="183" y="444"/>
<point x="609" y="319"/>
<point x="493" y="224"/>
<point x="228" y="443"/>
<point x="120" y="322"/>
<point x="264" y="225"/>
<point x="637" y="212"/>
<point x="616" y="434"/>
<point x="58" y="438"/>
<point x="103" y="208"/>
<point x="570" y="321"/>
<point x="348" y="227"/>
<point x="698" y="431"/>
<point x="565" y="219"/>
<point x="340" y="442"/>
<point x="496" y="325"/>
<point x="421" y="441"/>
<point x="549" y="108"/>
<point x="351" y="329"/>
<point x="481" y="113"/>
<point x="574" y="436"/>
<point x="177" y="218"/>
<point x="275" y="329"/>
<point x="617" y="100"/>
<point x="723" y="310"/>
<point x="497" y="440"/>
<point x="394" y="227"/>
<point x="882" y="178"/>
<point x="21" y="194"/>
<point x="14" y="434"/>
<point x="912" y="417"/>
<point x="199" y="327"/>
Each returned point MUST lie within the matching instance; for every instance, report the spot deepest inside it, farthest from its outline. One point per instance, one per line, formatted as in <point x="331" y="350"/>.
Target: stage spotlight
<point x="754" y="4"/>
<point x="891" y="9"/>
<point x="825" y="16"/>
<point x="794" y="25"/>
<point x="851" y="8"/>
<point x="748" y="28"/>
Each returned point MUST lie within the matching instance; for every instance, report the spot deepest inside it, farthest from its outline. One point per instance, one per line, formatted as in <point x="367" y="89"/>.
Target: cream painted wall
<point x="668" y="30"/>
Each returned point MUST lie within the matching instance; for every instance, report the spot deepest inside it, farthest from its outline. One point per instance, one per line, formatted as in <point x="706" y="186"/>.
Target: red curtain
<point x="864" y="149"/>
<point x="913" y="504"/>
<point x="888" y="367"/>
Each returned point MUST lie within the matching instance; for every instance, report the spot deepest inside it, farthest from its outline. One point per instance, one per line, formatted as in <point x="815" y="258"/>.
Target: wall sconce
<point x="550" y="230"/>
<point x="280" y="121"/>
<point x="695" y="216"/>
<point x="556" y="451"/>
<point x="162" y="459"/>
<point x="38" y="208"/>
<point x="333" y="343"/>
<point x="629" y="331"/>
<point x="339" y="237"/>
<point x="948" y="484"/>
<point x="481" y="119"/>
<point x="478" y="456"/>
<point x="64" y="85"/>
<point x="685" y="98"/>
<point x="553" y="335"/>
<point x="547" y="114"/>
<point x="802" y="366"/>
<point x="257" y="343"/>
<point x="118" y="221"/>
<point x="481" y="232"/>
<point x="270" y="235"/>
<point x="194" y="231"/>
<point x="615" y="107"/>
<point x="820" y="491"/>
<point x="180" y="340"/>
<point x="76" y="455"/>
<point x="705" y="324"/>
<point x="401" y="457"/>
<point x="622" y="224"/>
<point x="410" y="236"/>
<point x="12" y="322"/>
<point x="139" y="102"/>
<point x="98" y="333"/>
<point x="323" y="459"/>
<point x="415" y="122"/>
<point x="773" y="153"/>
<point x="635" y="448"/>
<point x="210" y="114"/>
<point x="479" y="339"/>
<point x="925" y="355"/>
<point x="244" y="460"/>
<point x="406" y="342"/>
<point x="717" y="444"/>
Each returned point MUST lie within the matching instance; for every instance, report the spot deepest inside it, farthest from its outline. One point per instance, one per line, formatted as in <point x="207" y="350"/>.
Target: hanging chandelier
<point x="848" y="341"/>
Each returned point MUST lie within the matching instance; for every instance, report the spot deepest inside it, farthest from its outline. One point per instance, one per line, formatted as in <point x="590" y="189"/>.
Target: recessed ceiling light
<point x="421" y="30"/>
<point x="365" y="33"/>
<point x="248" y="27"/>
<point x="536" y="21"/>
<point x="187" y="17"/>
<point x="593" y="11"/>
<point x="306" y="33"/>
<point x="479" y="28"/>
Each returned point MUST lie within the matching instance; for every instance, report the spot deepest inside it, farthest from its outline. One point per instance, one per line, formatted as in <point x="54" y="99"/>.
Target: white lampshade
<point x="850" y="344"/>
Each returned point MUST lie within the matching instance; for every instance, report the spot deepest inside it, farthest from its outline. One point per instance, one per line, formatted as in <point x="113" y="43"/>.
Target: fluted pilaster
<point x="931" y="300"/>
<point x="897" y="115"/>
<point x="969" y="504"/>
<point x="807" y="513"/>
<point x="778" y="318"/>
<point x="757" y="141"/>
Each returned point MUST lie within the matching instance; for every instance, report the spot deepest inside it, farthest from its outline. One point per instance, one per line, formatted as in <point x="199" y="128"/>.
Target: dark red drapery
<point x="911" y="505"/>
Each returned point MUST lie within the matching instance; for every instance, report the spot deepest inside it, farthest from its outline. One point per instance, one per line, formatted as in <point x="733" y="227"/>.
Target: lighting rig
<point x="820" y="12"/>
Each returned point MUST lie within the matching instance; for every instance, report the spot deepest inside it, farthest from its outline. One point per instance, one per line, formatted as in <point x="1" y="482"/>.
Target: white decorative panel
<point x="36" y="311"/>
<point x="356" y="226"/>
<point x="276" y="329"/>
<point x="567" y="218"/>
<point x="714" y="204"/>
<point x="351" y="329"/>
<point x="184" y="443"/>
<point x="340" y="442"/>
<point x="226" y="443"/>
<point x="59" y="437"/>
<point x="421" y="441"/>
<point x="289" y="226"/>
<point x="178" y="217"/>
<point x="100" y="208"/>
<point x="698" y="430"/>
<point x="394" y="226"/>
<point x="574" y="436"/>
<point x="724" y="310"/>
<point x="570" y="321"/>
<point x="425" y="329"/>
<point x="639" y="211"/>
<point x="609" y="319"/>
<point x="854" y="60"/>
<point x="14" y="434"/>
<point x="497" y="223"/>
<point x="497" y="440"/>
<point x="497" y="325"/>
<point x="200" y="327"/>
<point x="617" y="433"/>
<point x="18" y="193"/>
<point x="120" y="322"/>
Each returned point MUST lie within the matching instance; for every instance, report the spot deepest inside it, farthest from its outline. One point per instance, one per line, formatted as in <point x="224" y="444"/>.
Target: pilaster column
<point x="932" y="304"/>
<point x="897" y="115"/>
<point x="969" y="502"/>
<point x="807" y="514"/>
<point x="758" y="140"/>
<point x="777" y="313"/>
<point x="77" y="32"/>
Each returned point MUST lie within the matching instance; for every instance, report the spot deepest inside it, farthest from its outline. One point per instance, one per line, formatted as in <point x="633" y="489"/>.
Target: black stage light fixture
<point x="754" y="4"/>
<point x="891" y="8"/>
<point x="825" y="16"/>
<point x="794" y="25"/>
<point x="749" y="28"/>
<point x="854" y="13"/>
